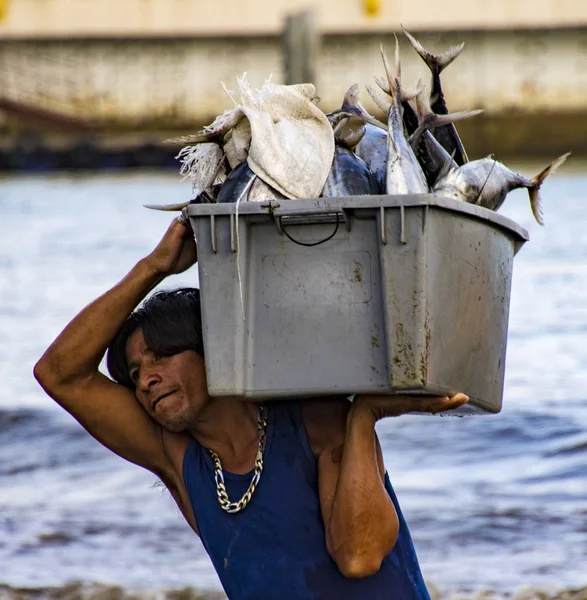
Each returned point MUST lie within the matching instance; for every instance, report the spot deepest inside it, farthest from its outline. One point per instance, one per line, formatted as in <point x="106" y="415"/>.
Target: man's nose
<point x="148" y="379"/>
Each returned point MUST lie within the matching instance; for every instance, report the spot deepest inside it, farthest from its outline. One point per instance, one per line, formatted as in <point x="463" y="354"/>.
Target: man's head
<point x="158" y="354"/>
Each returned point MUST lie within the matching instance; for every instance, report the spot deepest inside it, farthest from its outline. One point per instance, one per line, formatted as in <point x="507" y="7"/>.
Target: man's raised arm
<point x="359" y="517"/>
<point x="68" y="370"/>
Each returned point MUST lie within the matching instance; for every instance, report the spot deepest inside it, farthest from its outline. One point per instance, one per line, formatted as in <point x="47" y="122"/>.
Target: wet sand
<point x="79" y="591"/>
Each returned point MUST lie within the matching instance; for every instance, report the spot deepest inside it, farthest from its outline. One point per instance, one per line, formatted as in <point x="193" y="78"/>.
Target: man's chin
<point x="171" y="425"/>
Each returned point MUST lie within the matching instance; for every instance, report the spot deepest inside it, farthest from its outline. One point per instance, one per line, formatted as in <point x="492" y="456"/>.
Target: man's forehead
<point x="136" y="347"/>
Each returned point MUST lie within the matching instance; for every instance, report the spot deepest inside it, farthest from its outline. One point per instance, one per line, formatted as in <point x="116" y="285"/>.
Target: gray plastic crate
<point x="408" y="294"/>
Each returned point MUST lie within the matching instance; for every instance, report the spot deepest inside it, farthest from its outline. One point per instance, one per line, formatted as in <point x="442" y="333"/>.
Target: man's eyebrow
<point x="133" y="364"/>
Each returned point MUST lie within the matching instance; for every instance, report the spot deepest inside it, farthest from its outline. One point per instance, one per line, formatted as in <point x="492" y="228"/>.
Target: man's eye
<point x="134" y="375"/>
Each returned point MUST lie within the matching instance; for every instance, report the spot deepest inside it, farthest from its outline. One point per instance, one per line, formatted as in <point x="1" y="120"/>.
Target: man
<point x="291" y="499"/>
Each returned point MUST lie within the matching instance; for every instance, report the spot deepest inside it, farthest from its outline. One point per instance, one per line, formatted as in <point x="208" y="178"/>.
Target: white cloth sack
<point x="289" y="140"/>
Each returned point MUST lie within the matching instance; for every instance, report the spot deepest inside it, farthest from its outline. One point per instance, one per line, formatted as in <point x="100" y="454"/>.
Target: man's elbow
<point x="358" y="566"/>
<point x="360" y="560"/>
<point x="42" y="371"/>
<point x="48" y="375"/>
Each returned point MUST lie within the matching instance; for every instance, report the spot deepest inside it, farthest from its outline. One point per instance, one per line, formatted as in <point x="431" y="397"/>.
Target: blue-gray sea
<point x="493" y="502"/>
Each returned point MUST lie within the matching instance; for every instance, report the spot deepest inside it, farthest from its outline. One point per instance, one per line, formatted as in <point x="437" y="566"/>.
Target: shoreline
<point x="99" y="591"/>
<point x="505" y="134"/>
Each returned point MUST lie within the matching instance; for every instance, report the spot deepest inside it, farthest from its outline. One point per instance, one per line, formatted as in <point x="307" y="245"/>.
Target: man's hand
<point x="393" y="406"/>
<point x="176" y="252"/>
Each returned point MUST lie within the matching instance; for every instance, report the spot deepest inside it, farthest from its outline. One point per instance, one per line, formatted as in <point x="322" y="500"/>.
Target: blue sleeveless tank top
<point x="275" y="549"/>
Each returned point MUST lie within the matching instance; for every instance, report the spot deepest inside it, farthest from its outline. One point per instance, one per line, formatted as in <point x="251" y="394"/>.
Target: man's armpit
<point x="336" y="454"/>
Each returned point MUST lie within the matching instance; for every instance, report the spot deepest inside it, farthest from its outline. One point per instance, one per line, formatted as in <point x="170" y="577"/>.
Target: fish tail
<point x="435" y="62"/>
<point x="351" y="98"/>
<point x="536" y="183"/>
<point x="353" y="107"/>
<point x="377" y="97"/>
<point x="391" y="84"/>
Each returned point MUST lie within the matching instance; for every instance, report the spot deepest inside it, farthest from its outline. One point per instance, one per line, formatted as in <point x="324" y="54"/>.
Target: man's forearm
<point x="78" y="350"/>
<point x="363" y="525"/>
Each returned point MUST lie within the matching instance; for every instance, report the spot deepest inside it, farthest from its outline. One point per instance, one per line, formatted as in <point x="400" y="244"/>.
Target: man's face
<point x="172" y="389"/>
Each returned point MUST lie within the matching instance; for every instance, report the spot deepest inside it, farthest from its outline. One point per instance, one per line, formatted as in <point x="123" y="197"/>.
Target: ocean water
<point x="493" y="502"/>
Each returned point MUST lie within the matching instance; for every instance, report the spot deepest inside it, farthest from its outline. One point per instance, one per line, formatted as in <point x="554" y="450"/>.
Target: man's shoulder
<point x="324" y="408"/>
<point x="325" y="421"/>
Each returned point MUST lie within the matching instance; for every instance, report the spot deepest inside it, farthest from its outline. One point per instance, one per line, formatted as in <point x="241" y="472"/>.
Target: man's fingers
<point x="446" y="403"/>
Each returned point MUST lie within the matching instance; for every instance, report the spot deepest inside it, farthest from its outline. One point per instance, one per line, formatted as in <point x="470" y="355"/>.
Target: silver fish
<point x="486" y="182"/>
<point x="373" y="150"/>
<point x="349" y="176"/>
<point x="348" y="130"/>
<point x="238" y="184"/>
<point x="372" y="147"/>
<point x="404" y="174"/>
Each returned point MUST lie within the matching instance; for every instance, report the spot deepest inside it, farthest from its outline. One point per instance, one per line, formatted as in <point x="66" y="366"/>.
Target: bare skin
<point x="152" y="427"/>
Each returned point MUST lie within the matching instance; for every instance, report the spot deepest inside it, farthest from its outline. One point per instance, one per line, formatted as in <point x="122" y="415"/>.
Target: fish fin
<point x="432" y="120"/>
<point x="446" y="167"/>
<point x="167" y="207"/>
<point x="429" y="120"/>
<point x="435" y="62"/>
<point x="537" y="181"/>
<point x="383" y="103"/>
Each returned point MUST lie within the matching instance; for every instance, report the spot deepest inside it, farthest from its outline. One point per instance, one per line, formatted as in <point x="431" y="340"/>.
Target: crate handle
<point x="402" y="224"/>
<point x="213" y="233"/>
<point x="309" y="244"/>
<point x="344" y="213"/>
<point x="402" y="220"/>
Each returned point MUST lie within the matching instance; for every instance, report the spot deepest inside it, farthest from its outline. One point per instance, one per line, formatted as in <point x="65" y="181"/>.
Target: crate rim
<point x="310" y="206"/>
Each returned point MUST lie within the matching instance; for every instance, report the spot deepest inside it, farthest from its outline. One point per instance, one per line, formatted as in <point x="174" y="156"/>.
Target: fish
<point x="447" y="135"/>
<point x="410" y="115"/>
<point x="430" y="153"/>
<point x="345" y="133"/>
<point x="349" y="175"/>
<point x="237" y="185"/>
<point x="372" y="147"/>
<point x="486" y="182"/>
<point x="404" y="173"/>
<point x="432" y="156"/>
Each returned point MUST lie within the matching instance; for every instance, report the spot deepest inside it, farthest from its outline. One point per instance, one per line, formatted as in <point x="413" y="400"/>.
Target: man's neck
<point x="229" y="427"/>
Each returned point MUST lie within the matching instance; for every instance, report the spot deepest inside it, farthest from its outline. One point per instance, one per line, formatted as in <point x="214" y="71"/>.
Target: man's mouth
<point x="161" y="398"/>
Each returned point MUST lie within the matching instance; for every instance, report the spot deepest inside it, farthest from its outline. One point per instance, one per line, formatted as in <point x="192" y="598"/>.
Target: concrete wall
<point x="168" y="18"/>
<point x="169" y="83"/>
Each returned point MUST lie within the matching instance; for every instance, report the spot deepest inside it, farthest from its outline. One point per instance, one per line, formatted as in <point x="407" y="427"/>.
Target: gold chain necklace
<point x="225" y="503"/>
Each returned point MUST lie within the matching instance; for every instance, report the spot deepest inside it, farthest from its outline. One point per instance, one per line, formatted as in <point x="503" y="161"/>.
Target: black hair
<point x="171" y="323"/>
